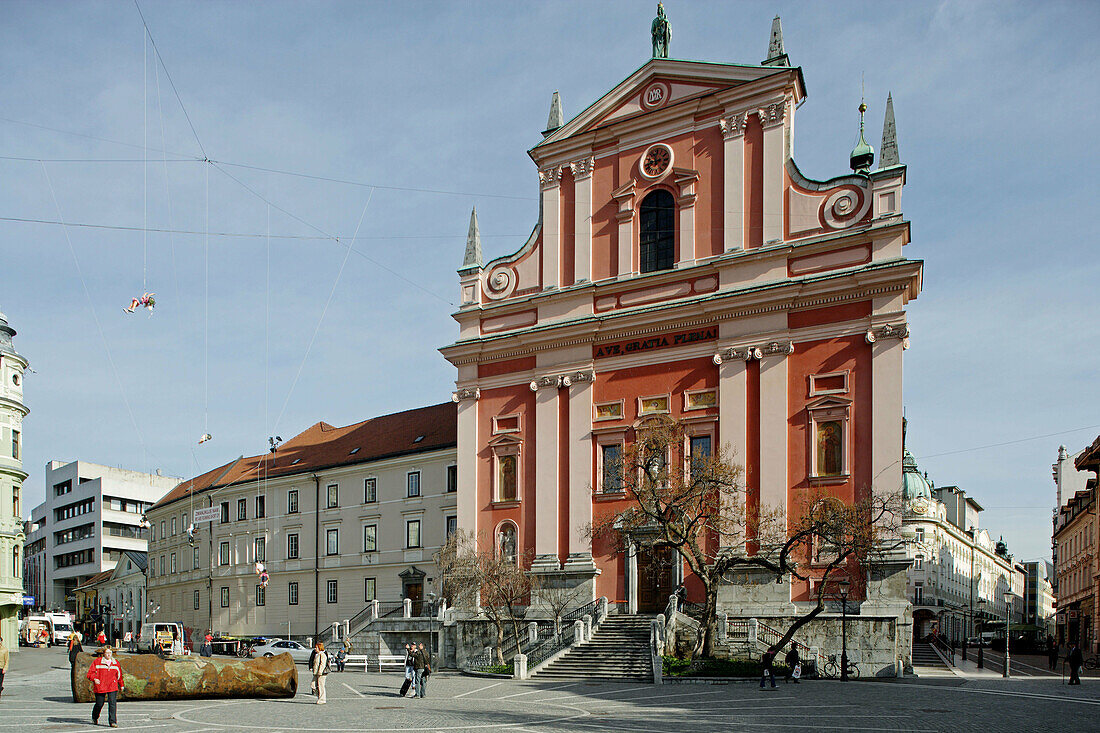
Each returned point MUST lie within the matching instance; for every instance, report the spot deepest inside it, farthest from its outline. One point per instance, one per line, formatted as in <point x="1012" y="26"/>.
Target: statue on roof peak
<point x="661" y="31"/>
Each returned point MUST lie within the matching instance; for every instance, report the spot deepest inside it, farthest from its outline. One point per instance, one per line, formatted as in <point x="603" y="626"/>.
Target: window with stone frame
<point x="657" y="232"/>
<point x="507" y="469"/>
<point x="828" y="426"/>
<point x="611" y="467"/>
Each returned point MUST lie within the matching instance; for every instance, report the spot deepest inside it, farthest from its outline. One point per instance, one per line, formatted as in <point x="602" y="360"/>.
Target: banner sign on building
<point x="652" y="343"/>
<point x="28" y="600"/>
<point x="206" y="514"/>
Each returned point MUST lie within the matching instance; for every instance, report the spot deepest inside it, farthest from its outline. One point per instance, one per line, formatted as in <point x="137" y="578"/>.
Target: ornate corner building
<point x="12" y="475"/>
<point x="682" y="264"/>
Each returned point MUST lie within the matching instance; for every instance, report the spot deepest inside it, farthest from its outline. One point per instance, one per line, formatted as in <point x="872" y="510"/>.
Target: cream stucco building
<point x="338" y="517"/>
<point x="12" y="412"/>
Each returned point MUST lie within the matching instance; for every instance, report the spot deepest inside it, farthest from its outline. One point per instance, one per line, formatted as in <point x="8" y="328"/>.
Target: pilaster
<point x="467" y="398"/>
<point x="773" y="425"/>
<point x="580" y="469"/>
<point x="624" y="196"/>
<point x="887" y="344"/>
<point x="772" y="119"/>
<point x="550" y="184"/>
<point x="733" y="180"/>
<point x="582" y="219"/>
<point x="546" y="473"/>
<point x="732" y="407"/>
<point x="685" y="205"/>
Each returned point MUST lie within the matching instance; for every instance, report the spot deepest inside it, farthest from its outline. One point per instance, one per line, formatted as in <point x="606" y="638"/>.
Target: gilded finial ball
<point x="862" y="107"/>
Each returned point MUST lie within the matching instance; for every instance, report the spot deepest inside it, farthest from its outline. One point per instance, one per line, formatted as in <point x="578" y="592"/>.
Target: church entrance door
<point x="654" y="578"/>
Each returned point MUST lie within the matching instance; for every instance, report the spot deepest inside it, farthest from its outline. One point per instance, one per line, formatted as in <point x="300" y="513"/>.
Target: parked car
<point x="273" y="647"/>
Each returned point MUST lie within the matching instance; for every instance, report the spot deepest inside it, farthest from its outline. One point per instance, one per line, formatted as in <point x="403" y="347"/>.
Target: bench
<point x="357" y="659"/>
<point x="391" y="660"/>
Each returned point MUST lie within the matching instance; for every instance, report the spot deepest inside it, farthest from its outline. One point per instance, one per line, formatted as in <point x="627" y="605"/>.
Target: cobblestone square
<point x="37" y="698"/>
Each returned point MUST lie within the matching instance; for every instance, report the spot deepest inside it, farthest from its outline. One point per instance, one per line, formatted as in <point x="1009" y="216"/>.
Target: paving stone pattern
<point x="37" y="698"/>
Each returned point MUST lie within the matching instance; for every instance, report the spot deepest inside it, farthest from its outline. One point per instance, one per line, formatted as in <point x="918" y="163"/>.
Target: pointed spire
<point x="777" y="56"/>
<point x="556" y="118"/>
<point x="889" y="148"/>
<point x="473" y="244"/>
<point x="863" y="155"/>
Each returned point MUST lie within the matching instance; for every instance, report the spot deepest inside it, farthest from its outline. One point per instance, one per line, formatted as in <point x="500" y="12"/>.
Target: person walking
<point x="409" y="671"/>
<point x="319" y="667"/>
<point x="3" y="663"/>
<point x="1075" y="660"/>
<point x="74" y="647"/>
<point x="766" y="671"/>
<point x="106" y="677"/>
<point x="421" y="669"/>
<point x="207" y="649"/>
<point x="794" y="670"/>
<point x="1052" y="655"/>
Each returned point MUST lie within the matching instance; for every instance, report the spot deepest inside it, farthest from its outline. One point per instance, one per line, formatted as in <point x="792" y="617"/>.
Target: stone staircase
<point x="927" y="663"/>
<point x="619" y="650"/>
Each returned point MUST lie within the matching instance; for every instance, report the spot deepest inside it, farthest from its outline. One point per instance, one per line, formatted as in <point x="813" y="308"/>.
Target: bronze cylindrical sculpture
<point x="151" y="677"/>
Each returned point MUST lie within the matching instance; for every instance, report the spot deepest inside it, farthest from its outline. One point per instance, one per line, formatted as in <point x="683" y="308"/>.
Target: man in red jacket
<point x="106" y="677"/>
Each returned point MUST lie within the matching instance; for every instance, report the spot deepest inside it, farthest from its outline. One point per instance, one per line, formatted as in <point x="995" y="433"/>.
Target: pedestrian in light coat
<point x="319" y="667"/>
<point x="106" y="677"/>
<point x="3" y="663"/>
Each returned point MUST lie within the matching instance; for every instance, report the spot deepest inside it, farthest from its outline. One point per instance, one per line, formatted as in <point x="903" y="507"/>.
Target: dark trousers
<point x="766" y="674"/>
<point x="1075" y="674"/>
<point x="112" y="705"/>
<point x="1" y="680"/>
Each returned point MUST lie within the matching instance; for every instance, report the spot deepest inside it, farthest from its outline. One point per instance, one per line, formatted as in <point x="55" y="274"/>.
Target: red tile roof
<point x="105" y="575"/>
<point x="324" y="446"/>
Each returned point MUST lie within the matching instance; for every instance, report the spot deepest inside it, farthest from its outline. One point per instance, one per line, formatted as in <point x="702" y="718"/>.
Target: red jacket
<point x="106" y="675"/>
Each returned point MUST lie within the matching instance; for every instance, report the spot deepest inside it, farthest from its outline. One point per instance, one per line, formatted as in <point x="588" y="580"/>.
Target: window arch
<point x="506" y="541"/>
<point x="657" y="239"/>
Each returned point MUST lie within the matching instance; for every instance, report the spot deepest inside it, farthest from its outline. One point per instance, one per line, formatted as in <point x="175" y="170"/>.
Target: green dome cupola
<point x="863" y="155"/>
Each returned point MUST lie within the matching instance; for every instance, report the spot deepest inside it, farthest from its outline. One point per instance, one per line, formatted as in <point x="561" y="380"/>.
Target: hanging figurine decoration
<point x="262" y="572"/>
<point x="146" y="301"/>
<point x="191" y="534"/>
<point x="205" y="437"/>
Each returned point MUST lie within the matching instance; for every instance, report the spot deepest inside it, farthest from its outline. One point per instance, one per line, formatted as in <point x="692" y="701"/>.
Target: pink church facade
<point x="681" y="265"/>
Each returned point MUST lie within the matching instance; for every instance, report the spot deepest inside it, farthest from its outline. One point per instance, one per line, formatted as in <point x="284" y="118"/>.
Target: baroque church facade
<point x="683" y="265"/>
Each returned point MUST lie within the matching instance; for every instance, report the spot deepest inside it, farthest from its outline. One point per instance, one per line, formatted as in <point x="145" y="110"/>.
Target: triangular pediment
<point x="676" y="81"/>
<point x="502" y="440"/>
<point x="826" y="403"/>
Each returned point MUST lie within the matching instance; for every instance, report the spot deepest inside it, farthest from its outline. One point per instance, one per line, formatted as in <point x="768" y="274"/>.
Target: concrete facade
<point x="12" y="475"/>
<point x="349" y="515"/>
<point x="115" y="600"/>
<point x="92" y="515"/>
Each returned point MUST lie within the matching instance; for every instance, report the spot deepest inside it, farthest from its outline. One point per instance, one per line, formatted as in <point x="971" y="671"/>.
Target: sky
<point x="388" y="122"/>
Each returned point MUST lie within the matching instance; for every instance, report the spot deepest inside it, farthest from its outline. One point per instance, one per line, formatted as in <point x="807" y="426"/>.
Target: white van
<point x="153" y="636"/>
<point x="61" y="627"/>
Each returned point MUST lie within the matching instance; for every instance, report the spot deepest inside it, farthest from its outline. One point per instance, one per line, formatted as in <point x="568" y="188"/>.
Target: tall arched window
<point x="658" y="231"/>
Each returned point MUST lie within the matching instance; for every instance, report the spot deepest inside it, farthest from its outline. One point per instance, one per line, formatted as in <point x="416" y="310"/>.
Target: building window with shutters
<point x="242" y="509"/>
<point x="261" y="508"/>
<point x="224" y="517"/>
<point x="657" y="232"/>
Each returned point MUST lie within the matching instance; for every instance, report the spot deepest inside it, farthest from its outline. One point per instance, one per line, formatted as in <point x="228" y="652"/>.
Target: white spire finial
<point x="777" y="55"/>
<point x="473" y="243"/>
<point x="889" y="148"/>
<point x="556" y="118"/>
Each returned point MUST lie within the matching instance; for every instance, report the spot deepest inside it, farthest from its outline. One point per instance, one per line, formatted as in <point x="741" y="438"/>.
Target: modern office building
<point x="91" y="516"/>
<point x="1039" y="598"/>
<point x="337" y="516"/>
<point x="12" y="412"/>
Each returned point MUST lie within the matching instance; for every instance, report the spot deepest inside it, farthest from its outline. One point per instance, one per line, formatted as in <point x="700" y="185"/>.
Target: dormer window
<point x="657" y="238"/>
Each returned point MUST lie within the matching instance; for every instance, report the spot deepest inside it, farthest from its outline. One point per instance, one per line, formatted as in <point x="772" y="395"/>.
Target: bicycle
<point x="1092" y="662"/>
<point x="831" y="668"/>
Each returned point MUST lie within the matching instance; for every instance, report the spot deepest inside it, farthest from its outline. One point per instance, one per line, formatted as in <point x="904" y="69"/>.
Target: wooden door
<point x="654" y="579"/>
<point x="415" y="593"/>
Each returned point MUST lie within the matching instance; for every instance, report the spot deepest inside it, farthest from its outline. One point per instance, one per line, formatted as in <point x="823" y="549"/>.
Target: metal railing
<point x="769" y="637"/>
<point x="588" y="609"/>
<point x="541" y="652"/>
<point x="693" y="610"/>
<point x="487" y="658"/>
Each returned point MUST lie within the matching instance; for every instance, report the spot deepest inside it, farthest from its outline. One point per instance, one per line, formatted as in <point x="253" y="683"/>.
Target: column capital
<point x="582" y="168"/>
<point x="550" y="177"/>
<point x="544" y="382"/>
<point x="466" y="393"/>
<point x="778" y="348"/>
<point x="746" y="353"/>
<point x="899" y="331"/>
<point x="733" y="125"/>
<point x="772" y="114"/>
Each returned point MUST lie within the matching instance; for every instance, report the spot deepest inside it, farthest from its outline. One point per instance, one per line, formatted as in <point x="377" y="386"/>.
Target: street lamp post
<point x="844" y="586"/>
<point x="431" y="628"/>
<point x="981" y="639"/>
<point x="1008" y="615"/>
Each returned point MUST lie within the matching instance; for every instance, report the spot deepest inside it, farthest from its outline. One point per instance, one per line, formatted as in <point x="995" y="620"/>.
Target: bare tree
<point x="697" y="506"/>
<point x="558" y="594"/>
<point x="482" y="579"/>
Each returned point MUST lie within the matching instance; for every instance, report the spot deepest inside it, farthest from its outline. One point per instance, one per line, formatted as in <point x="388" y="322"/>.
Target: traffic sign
<point x="28" y="600"/>
<point x="207" y="514"/>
